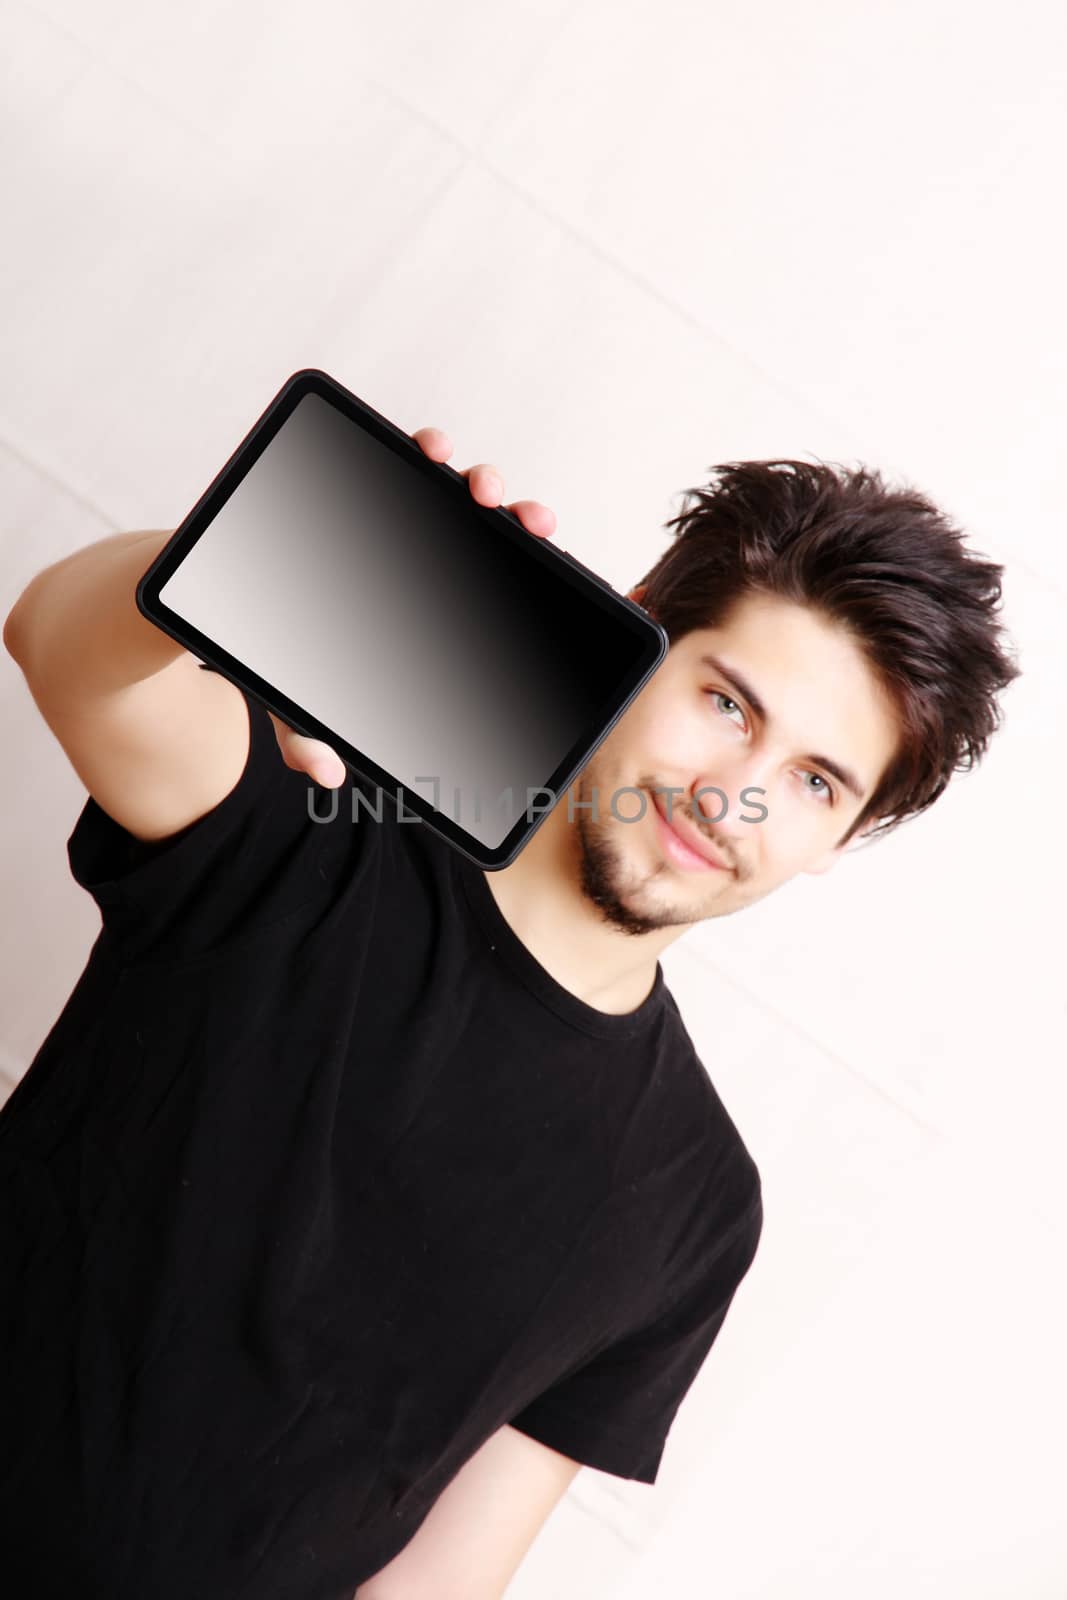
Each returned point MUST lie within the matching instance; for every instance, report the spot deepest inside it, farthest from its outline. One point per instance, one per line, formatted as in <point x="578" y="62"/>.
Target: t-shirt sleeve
<point x="615" y="1412"/>
<point x="259" y="855"/>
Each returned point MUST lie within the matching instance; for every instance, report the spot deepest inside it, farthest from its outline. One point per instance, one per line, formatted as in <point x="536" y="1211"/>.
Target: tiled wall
<point x="605" y="246"/>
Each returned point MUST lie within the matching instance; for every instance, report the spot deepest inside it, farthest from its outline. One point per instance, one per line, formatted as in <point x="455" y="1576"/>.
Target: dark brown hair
<point x="883" y="563"/>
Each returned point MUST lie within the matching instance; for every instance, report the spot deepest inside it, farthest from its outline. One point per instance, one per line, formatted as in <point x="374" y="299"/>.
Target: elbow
<point x="10" y="629"/>
<point x="15" y="624"/>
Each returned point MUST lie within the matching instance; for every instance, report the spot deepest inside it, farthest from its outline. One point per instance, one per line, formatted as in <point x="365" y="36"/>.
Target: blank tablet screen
<point x="471" y="669"/>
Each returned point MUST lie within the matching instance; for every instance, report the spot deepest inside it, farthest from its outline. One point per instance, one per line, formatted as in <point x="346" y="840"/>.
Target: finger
<point x="535" y="517"/>
<point x="435" y="442"/>
<point x="312" y="756"/>
<point x="325" y="767"/>
<point x="486" y="483"/>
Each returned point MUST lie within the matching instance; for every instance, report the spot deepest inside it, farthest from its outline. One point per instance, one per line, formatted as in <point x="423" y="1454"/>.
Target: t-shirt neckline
<point x="536" y="978"/>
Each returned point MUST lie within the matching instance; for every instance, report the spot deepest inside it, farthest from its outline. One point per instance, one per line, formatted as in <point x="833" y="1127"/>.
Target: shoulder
<point x="700" y="1129"/>
<point x="705" y="1177"/>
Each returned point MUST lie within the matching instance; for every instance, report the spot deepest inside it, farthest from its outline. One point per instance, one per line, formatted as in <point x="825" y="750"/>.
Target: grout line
<point x="606" y="1523"/>
<point x="890" y="466"/>
<point x="407" y="235"/>
<point x="94" y="58"/>
<point x="788" y="1022"/>
<point x="473" y="154"/>
<point x="621" y="268"/>
<point x="61" y="485"/>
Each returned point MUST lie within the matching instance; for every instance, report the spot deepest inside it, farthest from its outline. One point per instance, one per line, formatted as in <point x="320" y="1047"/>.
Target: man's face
<point x="695" y="727"/>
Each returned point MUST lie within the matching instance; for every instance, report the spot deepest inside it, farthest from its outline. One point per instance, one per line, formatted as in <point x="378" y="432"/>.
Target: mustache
<point x="673" y="809"/>
<point x="706" y="831"/>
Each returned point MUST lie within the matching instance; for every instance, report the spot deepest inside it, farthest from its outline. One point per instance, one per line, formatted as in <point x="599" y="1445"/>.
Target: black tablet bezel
<point x="312" y="380"/>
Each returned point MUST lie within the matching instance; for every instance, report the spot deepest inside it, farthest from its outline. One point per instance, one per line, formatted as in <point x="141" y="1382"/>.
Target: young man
<point x="357" y="1197"/>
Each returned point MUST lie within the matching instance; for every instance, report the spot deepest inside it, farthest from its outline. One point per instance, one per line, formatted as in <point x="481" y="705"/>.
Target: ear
<point x="637" y="593"/>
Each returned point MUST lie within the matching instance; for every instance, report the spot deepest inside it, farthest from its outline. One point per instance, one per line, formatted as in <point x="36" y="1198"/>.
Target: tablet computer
<point x="357" y="590"/>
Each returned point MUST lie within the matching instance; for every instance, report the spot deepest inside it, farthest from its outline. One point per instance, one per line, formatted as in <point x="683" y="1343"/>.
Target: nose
<point x="717" y="803"/>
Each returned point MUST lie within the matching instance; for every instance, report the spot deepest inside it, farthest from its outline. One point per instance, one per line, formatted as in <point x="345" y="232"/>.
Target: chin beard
<point x="602" y="873"/>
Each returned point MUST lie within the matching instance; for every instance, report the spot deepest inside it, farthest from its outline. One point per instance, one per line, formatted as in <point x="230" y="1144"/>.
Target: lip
<point x="686" y="847"/>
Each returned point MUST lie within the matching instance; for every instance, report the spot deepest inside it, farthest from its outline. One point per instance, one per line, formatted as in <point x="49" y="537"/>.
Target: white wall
<point x="606" y="245"/>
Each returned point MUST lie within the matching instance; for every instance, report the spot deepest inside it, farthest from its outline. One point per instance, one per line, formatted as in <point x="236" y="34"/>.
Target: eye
<point x="717" y="694"/>
<point x="826" y="789"/>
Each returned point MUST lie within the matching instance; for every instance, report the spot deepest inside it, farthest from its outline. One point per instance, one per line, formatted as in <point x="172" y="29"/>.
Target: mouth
<point x="686" y="846"/>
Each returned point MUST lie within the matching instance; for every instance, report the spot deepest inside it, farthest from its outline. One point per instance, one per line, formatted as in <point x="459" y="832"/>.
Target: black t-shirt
<point x="319" y="1179"/>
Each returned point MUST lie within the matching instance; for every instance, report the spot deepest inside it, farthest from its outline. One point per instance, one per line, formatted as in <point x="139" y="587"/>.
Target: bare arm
<point x="482" y="1525"/>
<point x="156" y="741"/>
<point x="77" y="624"/>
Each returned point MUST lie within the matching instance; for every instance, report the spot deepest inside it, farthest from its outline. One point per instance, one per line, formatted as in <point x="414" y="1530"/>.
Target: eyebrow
<point x="844" y="775"/>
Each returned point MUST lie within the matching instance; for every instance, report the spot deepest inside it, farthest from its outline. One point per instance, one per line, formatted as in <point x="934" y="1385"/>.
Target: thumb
<point x="304" y="754"/>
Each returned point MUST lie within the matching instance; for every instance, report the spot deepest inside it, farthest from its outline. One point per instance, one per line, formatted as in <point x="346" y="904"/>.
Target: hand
<point x="317" y="759"/>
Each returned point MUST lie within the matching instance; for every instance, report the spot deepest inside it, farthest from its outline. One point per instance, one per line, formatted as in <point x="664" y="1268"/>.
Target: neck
<point x="540" y="896"/>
